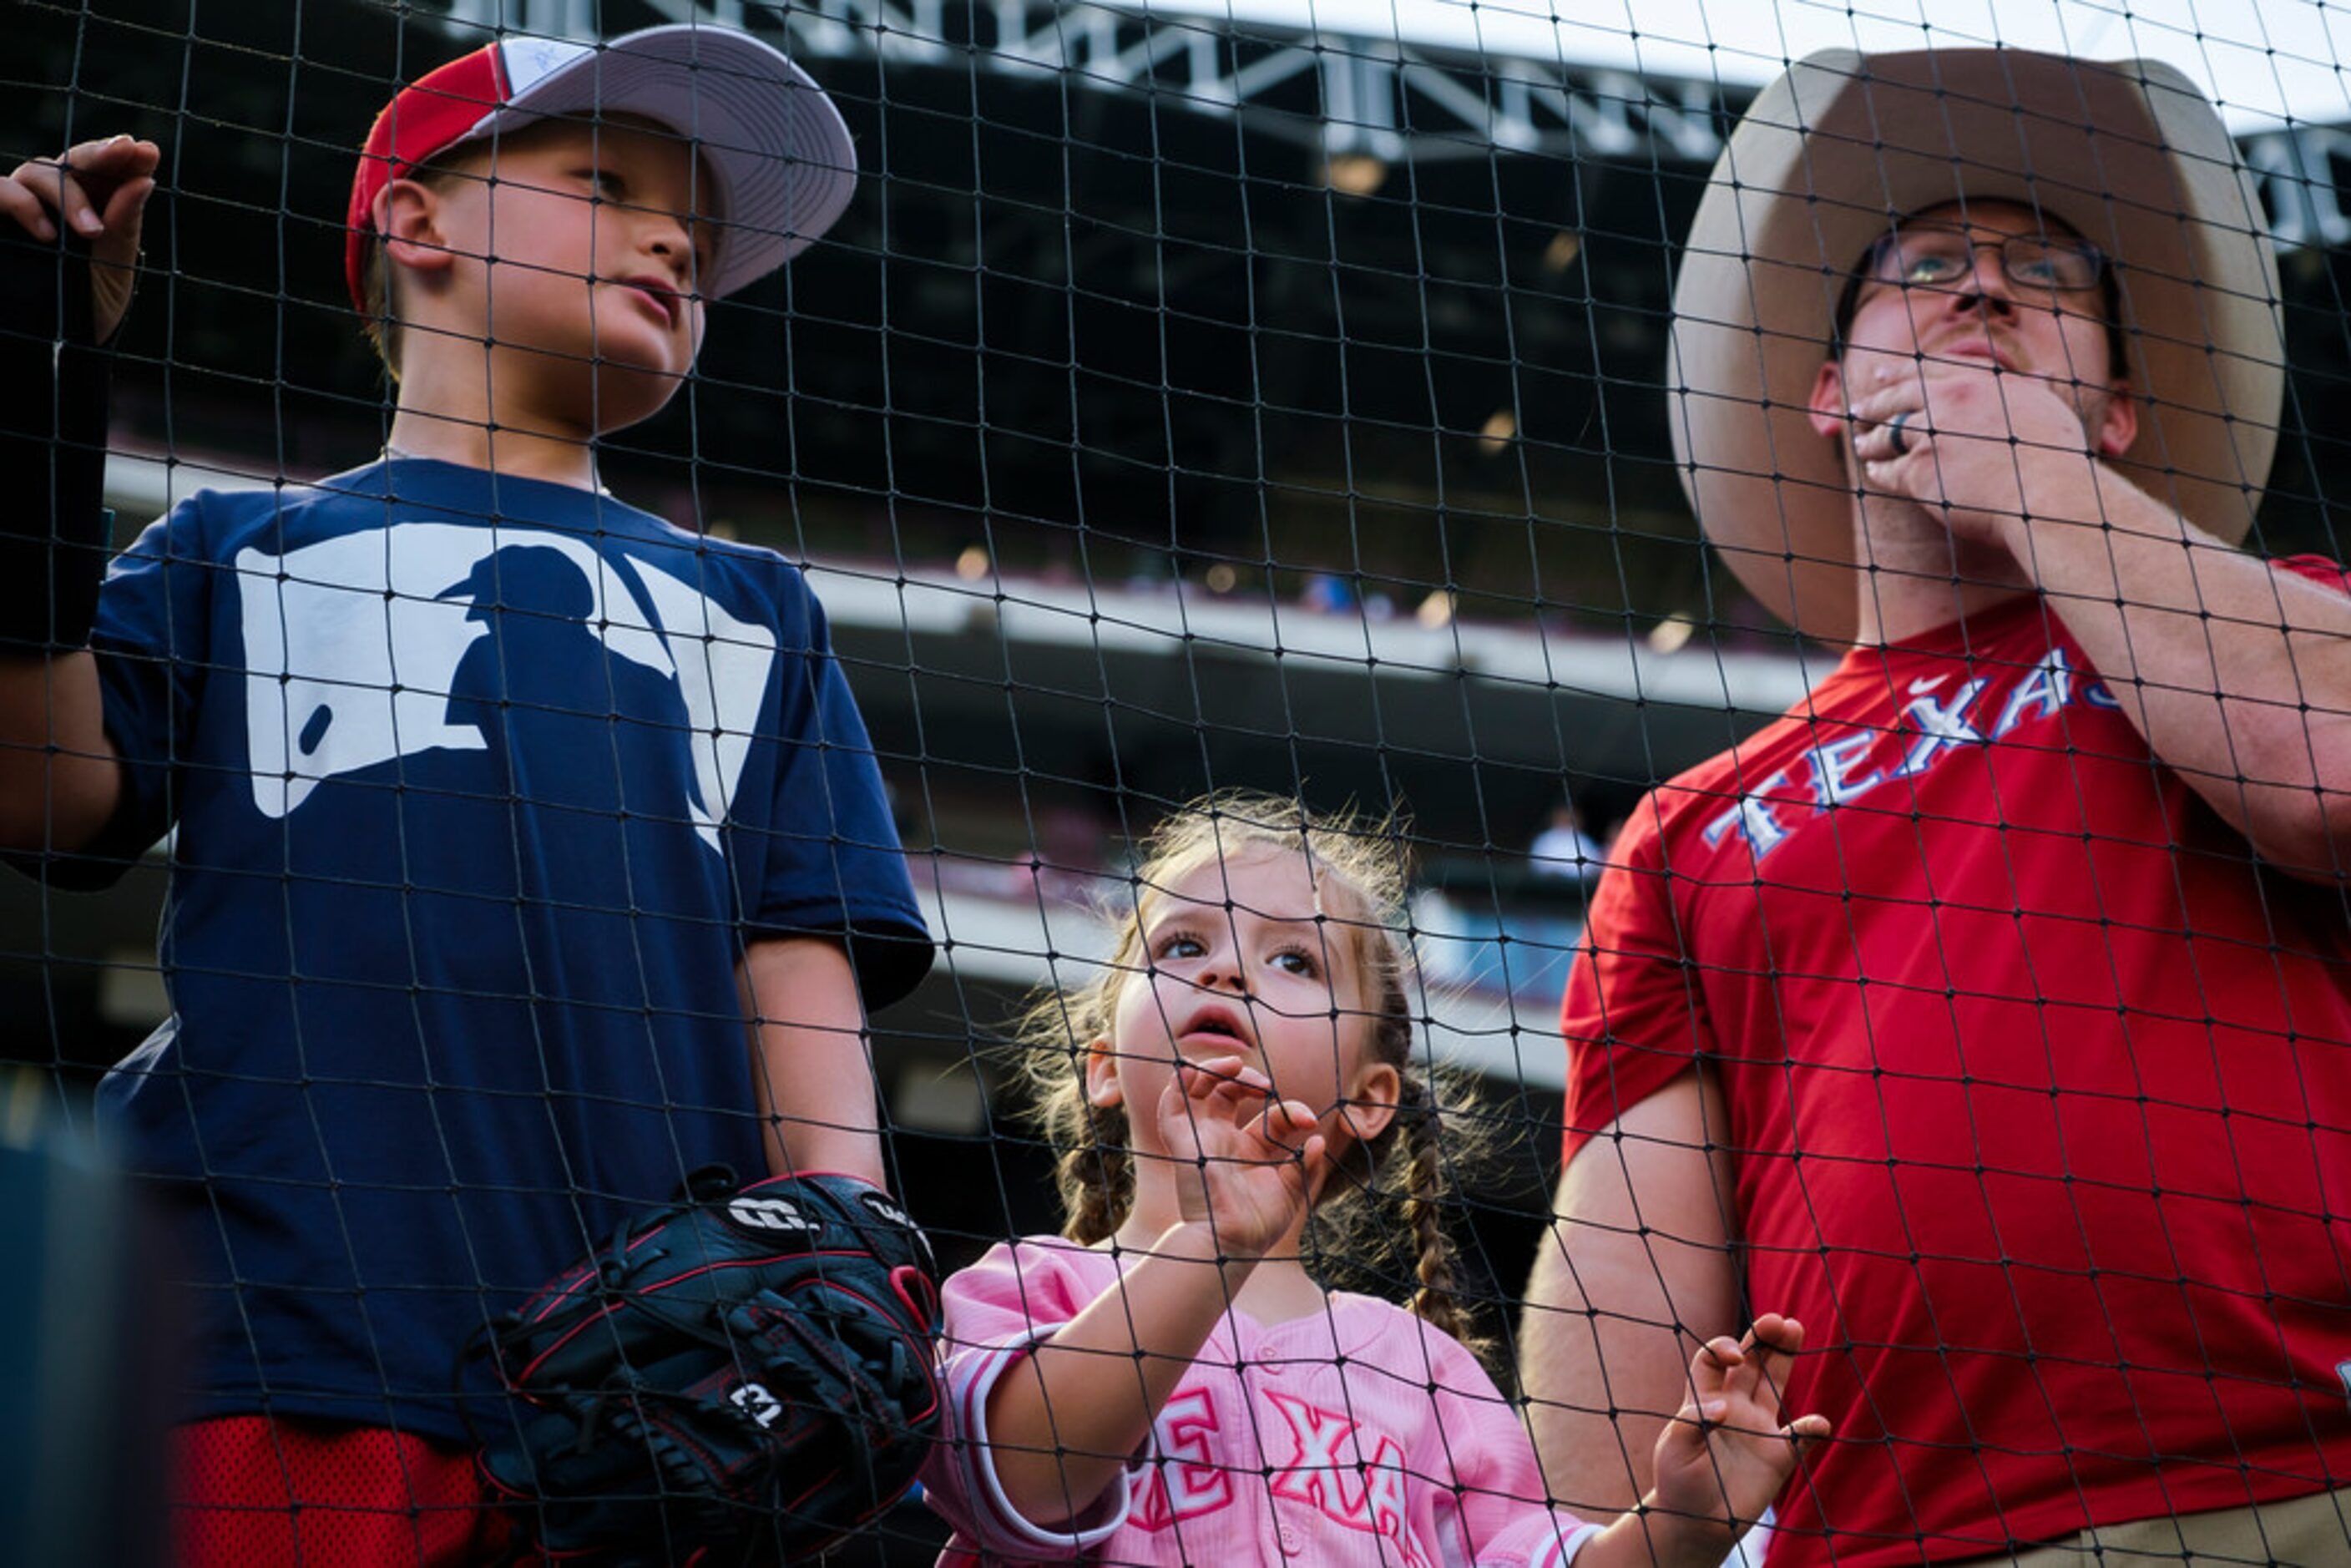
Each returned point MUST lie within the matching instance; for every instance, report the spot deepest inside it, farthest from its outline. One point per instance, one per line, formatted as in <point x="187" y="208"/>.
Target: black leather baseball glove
<point x="744" y="1378"/>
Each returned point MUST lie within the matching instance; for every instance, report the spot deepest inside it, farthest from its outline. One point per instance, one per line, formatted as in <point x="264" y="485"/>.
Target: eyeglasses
<point x="1933" y="256"/>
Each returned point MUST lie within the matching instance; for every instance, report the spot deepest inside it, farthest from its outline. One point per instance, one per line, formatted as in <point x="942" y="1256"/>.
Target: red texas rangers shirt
<point x="2039" y="1091"/>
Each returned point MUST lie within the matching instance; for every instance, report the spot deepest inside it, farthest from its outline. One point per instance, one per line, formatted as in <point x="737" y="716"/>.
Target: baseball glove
<point x="741" y="1378"/>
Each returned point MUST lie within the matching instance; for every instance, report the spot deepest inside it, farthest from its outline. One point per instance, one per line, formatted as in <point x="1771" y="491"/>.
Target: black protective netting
<point x="1194" y="412"/>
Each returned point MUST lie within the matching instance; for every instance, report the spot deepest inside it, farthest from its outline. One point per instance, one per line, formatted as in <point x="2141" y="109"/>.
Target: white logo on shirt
<point x="353" y="647"/>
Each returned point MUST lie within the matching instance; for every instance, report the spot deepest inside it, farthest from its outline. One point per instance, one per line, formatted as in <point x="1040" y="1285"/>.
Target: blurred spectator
<point x="1563" y="849"/>
<point x="1329" y="592"/>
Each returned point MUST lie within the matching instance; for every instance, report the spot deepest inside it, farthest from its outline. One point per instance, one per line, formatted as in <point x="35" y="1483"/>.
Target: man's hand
<point x="1984" y="448"/>
<point x="98" y="190"/>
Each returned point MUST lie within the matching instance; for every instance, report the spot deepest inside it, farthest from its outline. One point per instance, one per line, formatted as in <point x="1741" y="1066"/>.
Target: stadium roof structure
<point x="1439" y="78"/>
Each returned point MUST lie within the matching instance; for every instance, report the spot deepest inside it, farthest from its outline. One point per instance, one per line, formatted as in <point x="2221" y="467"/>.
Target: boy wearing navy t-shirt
<point x="505" y="812"/>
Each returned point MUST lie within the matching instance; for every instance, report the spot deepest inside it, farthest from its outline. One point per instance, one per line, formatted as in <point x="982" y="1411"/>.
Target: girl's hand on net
<point x="1246" y="1159"/>
<point x="98" y="190"/>
<point x="1725" y="1455"/>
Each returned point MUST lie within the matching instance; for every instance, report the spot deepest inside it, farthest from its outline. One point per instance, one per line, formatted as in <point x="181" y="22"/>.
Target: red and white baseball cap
<point x="777" y="148"/>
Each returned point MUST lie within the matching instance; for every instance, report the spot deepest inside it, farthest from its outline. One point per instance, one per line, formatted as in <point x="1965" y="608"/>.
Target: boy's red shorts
<point x="253" y="1493"/>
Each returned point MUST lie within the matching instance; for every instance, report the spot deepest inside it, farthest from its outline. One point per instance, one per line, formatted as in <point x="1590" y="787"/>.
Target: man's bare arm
<point x="2238" y="675"/>
<point x="1634" y="1274"/>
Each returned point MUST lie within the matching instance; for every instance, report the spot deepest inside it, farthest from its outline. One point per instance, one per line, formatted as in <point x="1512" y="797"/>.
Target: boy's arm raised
<point x="59" y="778"/>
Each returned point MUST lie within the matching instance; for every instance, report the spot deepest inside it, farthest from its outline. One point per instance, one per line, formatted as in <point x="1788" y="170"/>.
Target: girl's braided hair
<point x="1394" y="1185"/>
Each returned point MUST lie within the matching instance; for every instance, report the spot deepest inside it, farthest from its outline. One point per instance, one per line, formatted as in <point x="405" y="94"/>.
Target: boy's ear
<point x="408" y="216"/>
<point x="1102" y="1085"/>
<point x="1372" y="1102"/>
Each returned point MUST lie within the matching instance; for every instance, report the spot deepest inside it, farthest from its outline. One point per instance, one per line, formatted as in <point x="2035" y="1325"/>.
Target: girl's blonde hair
<point x="1359" y="875"/>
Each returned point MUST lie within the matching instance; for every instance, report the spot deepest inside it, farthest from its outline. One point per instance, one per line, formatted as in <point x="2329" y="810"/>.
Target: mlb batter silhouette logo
<point x="572" y="678"/>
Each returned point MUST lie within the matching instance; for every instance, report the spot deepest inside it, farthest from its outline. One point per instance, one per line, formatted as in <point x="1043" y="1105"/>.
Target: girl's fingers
<point x="1775" y="1340"/>
<point x="1239" y="1101"/>
<point x="1211" y="1067"/>
<point x="1712" y="1368"/>
<point x="1313" y="1155"/>
<point x="1243" y="1094"/>
<point x="1225" y="1092"/>
<point x="1278" y="1131"/>
<point x="1689" y="1429"/>
<point x="1288" y="1122"/>
<point x="1218" y="1074"/>
<point x="1751" y="1368"/>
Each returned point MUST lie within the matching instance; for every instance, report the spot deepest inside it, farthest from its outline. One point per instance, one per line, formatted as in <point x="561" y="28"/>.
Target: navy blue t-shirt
<point x="481" y="785"/>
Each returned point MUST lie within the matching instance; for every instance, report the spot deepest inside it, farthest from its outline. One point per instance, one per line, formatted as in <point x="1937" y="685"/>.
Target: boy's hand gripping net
<point x="742" y="1377"/>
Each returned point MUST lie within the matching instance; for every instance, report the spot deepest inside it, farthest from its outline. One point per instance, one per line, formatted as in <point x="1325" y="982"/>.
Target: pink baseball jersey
<point x="1359" y="1434"/>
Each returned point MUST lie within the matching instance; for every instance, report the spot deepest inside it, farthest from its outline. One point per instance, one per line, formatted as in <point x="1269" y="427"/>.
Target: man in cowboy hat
<point x="1987" y="1011"/>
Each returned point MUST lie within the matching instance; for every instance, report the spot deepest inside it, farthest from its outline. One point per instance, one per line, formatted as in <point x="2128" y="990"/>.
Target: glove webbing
<point x="54" y="381"/>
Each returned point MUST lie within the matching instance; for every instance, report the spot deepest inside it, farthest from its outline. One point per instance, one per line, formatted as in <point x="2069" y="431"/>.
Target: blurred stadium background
<point x="1189" y="401"/>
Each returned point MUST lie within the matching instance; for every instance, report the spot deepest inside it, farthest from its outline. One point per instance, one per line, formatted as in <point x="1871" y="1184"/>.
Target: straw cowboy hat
<point x="2128" y="153"/>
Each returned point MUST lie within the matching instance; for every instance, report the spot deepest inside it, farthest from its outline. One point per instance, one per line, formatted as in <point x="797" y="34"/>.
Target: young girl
<point x="1170" y="1384"/>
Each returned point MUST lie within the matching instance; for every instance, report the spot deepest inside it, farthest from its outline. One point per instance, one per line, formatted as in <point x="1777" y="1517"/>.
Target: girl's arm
<point x="1064" y="1424"/>
<point x="1062" y="1427"/>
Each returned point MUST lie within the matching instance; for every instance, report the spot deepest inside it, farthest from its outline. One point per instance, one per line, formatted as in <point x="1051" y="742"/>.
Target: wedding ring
<point x="1894" y="433"/>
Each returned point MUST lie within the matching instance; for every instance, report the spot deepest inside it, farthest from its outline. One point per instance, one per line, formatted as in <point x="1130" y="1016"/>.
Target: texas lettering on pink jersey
<point x="1357" y="1435"/>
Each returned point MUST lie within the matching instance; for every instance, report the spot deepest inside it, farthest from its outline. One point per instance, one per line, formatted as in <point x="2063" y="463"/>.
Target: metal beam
<point x="1350" y="94"/>
<point x="1345" y="94"/>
